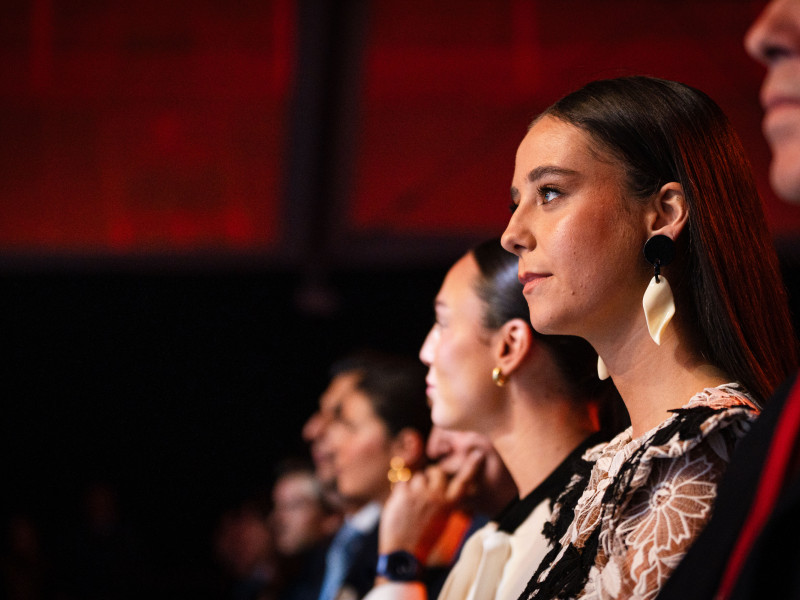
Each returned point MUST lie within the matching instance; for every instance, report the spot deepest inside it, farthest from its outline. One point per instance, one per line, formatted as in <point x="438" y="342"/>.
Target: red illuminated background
<point x="253" y="128"/>
<point x="203" y="203"/>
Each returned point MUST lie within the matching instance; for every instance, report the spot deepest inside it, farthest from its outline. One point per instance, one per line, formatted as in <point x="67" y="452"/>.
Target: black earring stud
<point x="659" y="251"/>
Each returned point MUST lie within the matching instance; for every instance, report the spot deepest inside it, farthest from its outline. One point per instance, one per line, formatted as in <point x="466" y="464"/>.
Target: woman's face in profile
<point x="458" y="354"/>
<point x="578" y="236"/>
<point x="362" y="450"/>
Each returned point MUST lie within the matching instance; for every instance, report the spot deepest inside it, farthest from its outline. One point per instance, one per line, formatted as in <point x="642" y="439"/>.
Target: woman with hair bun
<point x="536" y="398"/>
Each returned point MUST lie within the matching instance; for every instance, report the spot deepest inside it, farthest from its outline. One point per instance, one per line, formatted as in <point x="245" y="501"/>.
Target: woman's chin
<point x="547" y="324"/>
<point x="443" y="418"/>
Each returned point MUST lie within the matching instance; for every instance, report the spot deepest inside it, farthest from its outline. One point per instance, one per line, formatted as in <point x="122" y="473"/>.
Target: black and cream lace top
<point x="630" y="515"/>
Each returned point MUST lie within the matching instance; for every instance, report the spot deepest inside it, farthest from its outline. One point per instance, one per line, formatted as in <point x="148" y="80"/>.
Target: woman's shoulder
<point x="725" y="396"/>
<point x="728" y="407"/>
<point x="725" y="411"/>
<point x="709" y="409"/>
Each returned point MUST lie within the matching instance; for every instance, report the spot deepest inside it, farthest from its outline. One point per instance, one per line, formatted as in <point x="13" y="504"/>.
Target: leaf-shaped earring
<point x="658" y="303"/>
<point x="602" y="370"/>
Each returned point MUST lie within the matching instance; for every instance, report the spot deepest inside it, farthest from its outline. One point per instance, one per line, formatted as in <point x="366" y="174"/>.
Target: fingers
<point x="434" y="485"/>
<point x="435" y="479"/>
<point x="465" y="476"/>
<point x="415" y="513"/>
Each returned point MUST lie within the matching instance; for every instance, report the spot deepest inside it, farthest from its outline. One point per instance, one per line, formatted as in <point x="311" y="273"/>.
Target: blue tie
<point x="340" y="555"/>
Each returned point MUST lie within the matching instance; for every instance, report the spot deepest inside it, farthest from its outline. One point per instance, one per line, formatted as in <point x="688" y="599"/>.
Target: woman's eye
<point x="512" y="207"/>
<point x="548" y="194"/>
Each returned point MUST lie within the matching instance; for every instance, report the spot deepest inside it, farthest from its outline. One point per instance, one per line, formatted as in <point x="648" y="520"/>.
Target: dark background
<point x="203" y="204"/>
<point x="180" y="390"/>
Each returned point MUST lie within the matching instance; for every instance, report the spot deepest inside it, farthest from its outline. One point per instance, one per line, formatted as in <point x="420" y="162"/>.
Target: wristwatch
<point x="399" y="566"/>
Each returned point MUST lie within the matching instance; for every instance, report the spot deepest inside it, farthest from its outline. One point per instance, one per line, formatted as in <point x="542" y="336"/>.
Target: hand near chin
<point x="421" y="514"/>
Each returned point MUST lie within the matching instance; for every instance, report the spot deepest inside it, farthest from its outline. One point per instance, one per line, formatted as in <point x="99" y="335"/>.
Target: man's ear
<point x="409" y="445"/>
<point x="668" y="212"/>
<point x="513" y="342"/>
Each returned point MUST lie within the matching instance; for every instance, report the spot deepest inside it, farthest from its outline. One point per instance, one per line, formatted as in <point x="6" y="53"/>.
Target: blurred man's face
<point x="774" y="41"/>
<point x="316" y="429"/>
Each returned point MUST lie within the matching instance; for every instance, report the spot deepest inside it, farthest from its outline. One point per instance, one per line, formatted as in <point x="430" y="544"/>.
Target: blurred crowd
<point x="261" y="548"/>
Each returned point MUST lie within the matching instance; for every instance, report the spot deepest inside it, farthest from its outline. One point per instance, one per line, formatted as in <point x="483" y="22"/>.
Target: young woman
<point x="536" y="398"/>
<point x="625" y="182"/>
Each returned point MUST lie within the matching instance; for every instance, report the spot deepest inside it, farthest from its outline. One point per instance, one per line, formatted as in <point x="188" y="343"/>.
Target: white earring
<point x="659" y="307"/>
<point x="658" y="302"/>
<point x="602" y="370"/>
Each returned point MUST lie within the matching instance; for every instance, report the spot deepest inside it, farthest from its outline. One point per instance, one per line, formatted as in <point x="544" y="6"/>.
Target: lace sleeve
<point x="659" y="523"/>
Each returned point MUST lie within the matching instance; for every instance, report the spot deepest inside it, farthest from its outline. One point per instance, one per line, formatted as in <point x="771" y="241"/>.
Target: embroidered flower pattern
<point x="668" y="495"/>
<point x="663" y="518"/>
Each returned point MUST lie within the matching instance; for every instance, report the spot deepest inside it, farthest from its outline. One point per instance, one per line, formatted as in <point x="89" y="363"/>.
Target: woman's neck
<point x="534" y="442"/>
<point x="655" y="379"/>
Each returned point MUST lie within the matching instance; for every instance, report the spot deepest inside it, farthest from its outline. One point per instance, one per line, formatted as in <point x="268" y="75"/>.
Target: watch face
<point x="403" y="565"/>
<point x="399" y="566"/>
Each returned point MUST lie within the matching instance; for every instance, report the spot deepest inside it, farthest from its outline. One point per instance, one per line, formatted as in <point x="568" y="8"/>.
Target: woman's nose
<point x="516" y="238"/>
<point x="426" y="351"/>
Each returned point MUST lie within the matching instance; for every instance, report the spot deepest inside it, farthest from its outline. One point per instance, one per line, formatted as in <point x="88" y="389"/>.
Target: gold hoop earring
<point x="398" y="471"/>
<point x="498" y="377"/>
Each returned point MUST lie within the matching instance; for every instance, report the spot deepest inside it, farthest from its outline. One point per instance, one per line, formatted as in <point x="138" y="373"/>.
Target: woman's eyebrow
<point x="539" y="172"/>
<point x="535" y="174"/>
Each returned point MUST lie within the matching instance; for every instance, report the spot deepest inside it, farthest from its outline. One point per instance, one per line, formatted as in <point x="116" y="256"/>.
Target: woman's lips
<point x="531" y="280"/>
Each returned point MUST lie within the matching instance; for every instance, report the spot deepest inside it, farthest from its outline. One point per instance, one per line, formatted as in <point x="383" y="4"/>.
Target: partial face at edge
<point x="298" y="513"/>
<point x="774" y="41"/>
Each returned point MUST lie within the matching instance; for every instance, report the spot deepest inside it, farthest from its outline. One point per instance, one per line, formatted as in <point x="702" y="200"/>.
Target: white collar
<point x="366" y="517"/>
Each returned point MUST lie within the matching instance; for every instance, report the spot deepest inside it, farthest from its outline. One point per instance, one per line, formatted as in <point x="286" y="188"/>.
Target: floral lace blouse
<point x="630" y="515"/>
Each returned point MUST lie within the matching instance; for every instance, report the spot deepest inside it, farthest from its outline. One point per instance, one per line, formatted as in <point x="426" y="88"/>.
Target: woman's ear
<point x="514" y="343"/>
<point x="409" y="445"/>
<point x="668" y="212"/>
